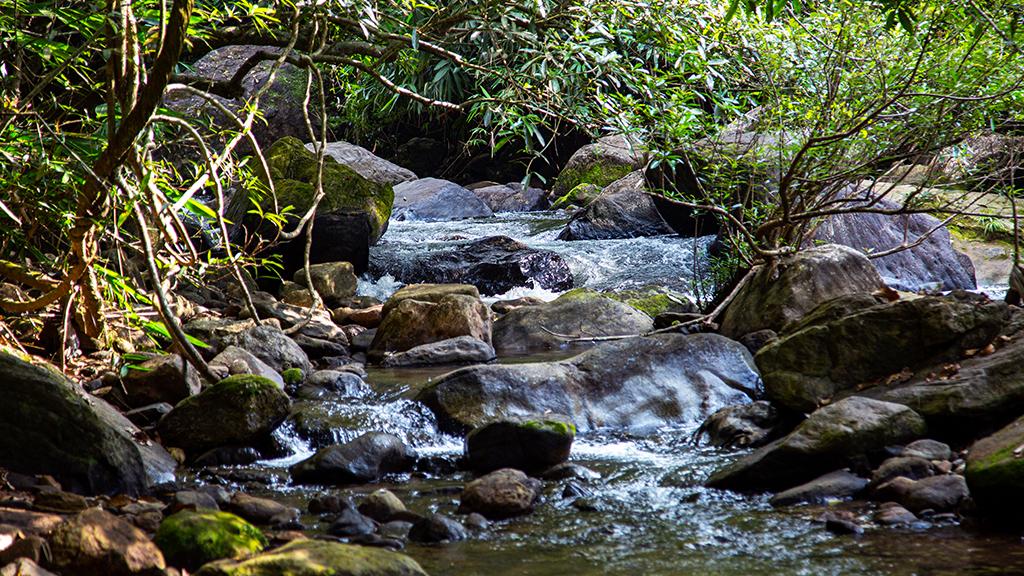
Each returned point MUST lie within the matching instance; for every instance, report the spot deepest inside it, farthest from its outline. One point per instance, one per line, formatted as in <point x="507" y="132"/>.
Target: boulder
<point x="460" y="350"/>
<point x="365" y="459"/>
<point x="995" y="471"/>
<point x="622" y="210"/>
<point x="334" y="281"/>
<point x="530" y="444"/>
<point x="838" y="485"/>
<point x="501" y="494"/>
<point x="49" y="426"/>
<point x="824" y="357"/>
<point x="235" y="361"/>
<point x="928" y="449"/>
<point x="983" y="160"/>
<point x="411" y="323"/>
<point x="637" y="383"/>
<point x="168" y="378"/>
<point x="494" y="265"/>
<point x="600" y="164"/>
<point x="936" y="493"/>
<point x="340" y="382"/>
<point x="435" y="200"/>
<point x="351" y="217"/>
<point x="271" y="345"/>
<point x="745" y="425"/>
<point x="237" y="410"/>
<point x="780" y="294"/>
<point x="263" y="511"/>
<point x="932" y="264"/>
<point x="846" y="433"/>
<point x="911" y="467"/>
<point x="381" y="505"/>
<point x="280" y="106"/>
<point x="366" y="163"/>
<point x="654" y="300"/>
<point x="512" y="197"/>
<point x="437" y="528"/>
<point x="189" y="539"/>
<point x="575" y="314"/>
<point x="97" y="542"/>
<point x="315" y="558"/>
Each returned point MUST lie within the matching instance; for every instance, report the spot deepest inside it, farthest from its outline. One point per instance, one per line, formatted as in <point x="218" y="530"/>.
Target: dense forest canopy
<point x="96" y="170"/>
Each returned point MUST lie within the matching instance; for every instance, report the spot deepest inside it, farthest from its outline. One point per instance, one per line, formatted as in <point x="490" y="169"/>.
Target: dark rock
<point x="237" y="410"/>
<point x="437" y="528"/>
<point x="59" y="501"/>
<point x="892" y="514"/>
<point x="424" y="156"/>
<point x="412" y="322"/>
<point x="532" y="444"/>
<point x="755" y="341"/>
<point x="460" y="350"/>
<point x="366" y="163"/>
<point x="167" y="378"/>
<point x="261" y="510"/>
<point x="838" y="485"/>
<point x="381" y="505"/>
<point x="780" y="294"/>
<point x="239" y="361"/>
<point x="362" y="460"/>
<point x="317" y="348"/>
<point x="578" y="313"/>
<point x="740" y="426"/>
<point x="97" y="542"/>
<point x="928" y="449"/>
<point x="192" y="500"/>
<point x="838" y="435"/>
<point x="500" y="494"/>
<point x="568" y="470"/>
<point x="432" y="200"/>
<point x="338" y="381"/>
<point x="823" y="358"/>
<point x="837" y="524"/>
<point x="494" y="265"/>
<point x="911" y="467"/>
<point x="47" y="426"/>
<point x="147" y="416"/>
<point x="639" y="383"/>
<point x="306" y="557"/>
<point x="935" y="493"/>
<point x="622" y="210"/>
<point x="334" y="281"/>
<point x="574" y="489"/>
<point x="227" y="456"/>
<point x="396" y="529"/>
<point x="351" y="523"/>
<point x="475" y="521"/>
<point x="512" y="197"/>
<point x="995" y="471"/>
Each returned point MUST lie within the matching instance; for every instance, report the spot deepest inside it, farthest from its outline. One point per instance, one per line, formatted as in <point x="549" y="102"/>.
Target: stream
<point x="648" y="512"/>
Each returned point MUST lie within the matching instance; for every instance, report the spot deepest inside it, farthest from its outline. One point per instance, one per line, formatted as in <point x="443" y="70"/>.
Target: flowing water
<point x="648" y="513"/>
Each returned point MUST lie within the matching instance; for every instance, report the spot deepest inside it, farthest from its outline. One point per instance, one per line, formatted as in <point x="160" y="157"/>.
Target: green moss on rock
<point x="293" y="376"/>
<point x="318" y="558"/>
<point x="189" y="539"/>
<point x="597" y="174"/>
<point x="555" y="426"/>
<point x="995" y="470"/>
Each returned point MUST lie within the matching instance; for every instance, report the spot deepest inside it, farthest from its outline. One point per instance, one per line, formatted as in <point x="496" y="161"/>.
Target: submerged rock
<point x="501" y="494"/>
<point x="494" y="265"/>
<point x="49" y="426"/>
<point x="848" y="432"/>
<point x="433" y="200"/>
<point x="315" y="558"/>
<point x="638" y="383"/>
<point x="575" y="314"/>
<point x="530" y="444"/>
<point x="365" y="459"/>
<point x="189" y="539"/>
<point x="622" y="210"/>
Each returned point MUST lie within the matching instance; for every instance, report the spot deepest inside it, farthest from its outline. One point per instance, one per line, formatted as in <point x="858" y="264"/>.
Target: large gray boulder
<point x="512" y="197"/>
<point x="366" y="163"/>
<point x="637" y="383"/>
<point x="433" y="200"/>
<point x="622" y="210"/>
<point x="575" y="314"/>
<point x="409" y="322"/>
<point x="827" y="355"/>
<point x="848" y="432"/>
<point x="780" y="294"/>
<point x="49" y="426"/>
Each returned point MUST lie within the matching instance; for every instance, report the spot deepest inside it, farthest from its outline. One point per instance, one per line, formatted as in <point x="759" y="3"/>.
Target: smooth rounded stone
<point x="840" y="524"/>
<point x="317" y="557"/>
<point x="49" y="426"/>
<point x="381" y="505"/>
<point x="270" y="345"/>
<point x="396" y="529"/>
<point x="437" y="528"/>
<point x="623" y="209"/>
<point x="893" y="514"/>
<point x="477" y="522"/>
<point x="24" y="567"/>
<point x="825" y="356"/>
<point x="334" y="281"/>
<point x="460" y="350"/>
<point x="218" y="493"/>
<point x="778" y="295"/>
<point x="349" y="522"/>
<point x="436" y="200"/>
<point x="838" y="435"/>
<point x="168" y="378"/>
<point x="599" y="164"/>
<point x="365" y="459"/>
<point x="412" y="323"/>
<point x="578" y="313"/>
<point x="928" y="449"/>
<point x="240" y="361"/>
<point x="97" y="542"/>
<point x="532" y="444"/>
<point x="366" y="163"/>
<point x="261" y="510"/>
<point x="428" y="293"/>
<point x="912" y="467"/>
<point x="635" y="383"/>
<point x="495" y="265"/>
<point x="192" y="500"/>
<point x="745" y="425"/>
<point x="317" y="348"/>
<point x="237" y="410"/>
<point x="570" y="471"/>
<point x="511" y="197"/>
<point x="189" y="539"/>
<point x="935" y="493"/>
<point x="366" y="317"/>
<point x="295" y="294"/>
<point x="838" y="485"/>
<point x="501" y="494"/>
<point x="342" y="382"/>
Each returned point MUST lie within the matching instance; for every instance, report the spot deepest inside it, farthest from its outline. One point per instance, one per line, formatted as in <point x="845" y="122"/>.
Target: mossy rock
<point x="995" y="470"/>
<point x="190" y="539"/>
<point x="581" y="195"/>
<point x="599" y="164"/>
<point x="293" y="376"/>
<point x="318" y="558"/>
<point x="651" y="300"/>
<point x="532" y="444"/>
